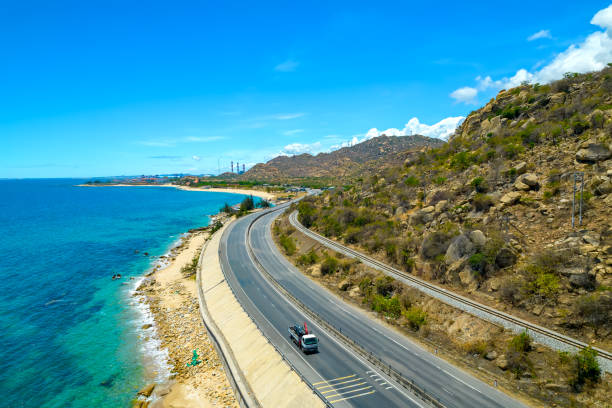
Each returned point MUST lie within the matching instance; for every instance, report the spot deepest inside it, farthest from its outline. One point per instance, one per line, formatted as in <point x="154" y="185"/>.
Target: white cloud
<point x="603" y="18"/>
<point x="287" y="116"/>
<point x="174" y="142"/>
<point x="203" y="139"/>
<point x="292" y="132"/>
<point x="196" y="158"/>
<point x="593" y="54"/>
<point x="540" y="34"/>
<point x="440" y="130"/>
<point x="299" y="148"/>
<point x="466" y="94"/>
<point x="287" y="66"/>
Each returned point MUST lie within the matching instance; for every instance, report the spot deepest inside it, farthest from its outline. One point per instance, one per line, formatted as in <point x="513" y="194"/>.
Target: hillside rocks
<point x="526" y="182"/>
<point x="460" y="247"/>
<point x="505" y="257"/>
<point x="510" y="198"/>
<point x="593" y="152"/>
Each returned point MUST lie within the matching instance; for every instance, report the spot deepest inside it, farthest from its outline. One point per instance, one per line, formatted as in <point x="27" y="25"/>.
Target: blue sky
<point x="114" y="87"/>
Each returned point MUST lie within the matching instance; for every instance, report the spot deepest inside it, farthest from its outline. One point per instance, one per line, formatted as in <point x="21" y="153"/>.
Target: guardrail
<point x="242" y="390"/>
<point x="409" y="384"/>
<point x="446" y="293"/>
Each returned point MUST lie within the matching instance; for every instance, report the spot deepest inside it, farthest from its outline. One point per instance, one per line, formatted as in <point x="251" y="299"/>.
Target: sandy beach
<point x="172" y="297"/>
<point x="258" y="193"/>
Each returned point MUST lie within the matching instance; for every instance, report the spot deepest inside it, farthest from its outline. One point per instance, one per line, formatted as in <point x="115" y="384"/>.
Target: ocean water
<point x="70" y="336"/>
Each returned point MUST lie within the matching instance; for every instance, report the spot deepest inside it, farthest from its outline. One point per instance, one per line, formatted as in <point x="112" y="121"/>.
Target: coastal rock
<point x="147" y="390"/>
<point x="146" y="326"/>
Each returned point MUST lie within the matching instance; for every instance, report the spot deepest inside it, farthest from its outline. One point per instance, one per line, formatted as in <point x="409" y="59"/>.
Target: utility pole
<point x="578" y="178"/>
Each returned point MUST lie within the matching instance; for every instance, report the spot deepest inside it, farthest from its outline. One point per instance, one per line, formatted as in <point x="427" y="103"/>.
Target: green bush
<point x="478" y="262"/>
<point x="216" y="227"/>
<point x="511" y="112"/>
<point x="247" y="204"/>
<point x="287" y="244"/>
<point x="365" y="285"/>
<point x="227" y="209"/>
<point x="521" y="342"/>
<point x="412" y="181"/>
<point x="309" y="258"/>
<point x="594" y="310"/>
<point x="439" y="180"/>
<point x="482" y="202"/>
<point x="384" y="285"/>
<point x="416" y="317"/>
<point x="330" y="265"/>
<point x="462" y="160"/>
<point x="479" y="184"/>
<point x="390" y="307"/>
<point x="585" y="368"/>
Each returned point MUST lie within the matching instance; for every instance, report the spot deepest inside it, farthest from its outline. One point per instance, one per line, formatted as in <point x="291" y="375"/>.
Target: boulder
<point x="583" y="280"/>
<point x="147" y="390"/>
<point x="557" y="387"/>
<point x="355" y="292"/>
<point x="460" y="247"/>
<point x="441" y="205"/>
<point x="478" y="238"/>
<point x="502" y="362"/>
<point x="344" y="285"/>
<point x="146" y="326"/>
<point x="604" y="188"/>
<point x="495" y="284"/>
<point x="505" y="257"/>
<point x="421" y="217"/>
<point x="531" y="180"/>
<point x="428" y="209"/>
<point x="527" y="181"/>
<point x="510" y="198"/>
<point x="557" y="98"/>
<point x="593" y="152"/>
<point x="592" y="238"/>
<point x="521" y="168"/>
<point x="468" y="279"/>
<point x="491" y="355"/>
<point x="400" y="210"/>
<point x="520" y="186"/>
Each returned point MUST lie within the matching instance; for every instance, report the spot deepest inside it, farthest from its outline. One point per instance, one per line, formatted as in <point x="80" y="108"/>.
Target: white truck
<point x="307" y="342"/>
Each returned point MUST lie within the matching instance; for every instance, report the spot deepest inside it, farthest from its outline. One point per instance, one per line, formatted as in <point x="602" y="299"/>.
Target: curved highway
<point x="340" y="376"/>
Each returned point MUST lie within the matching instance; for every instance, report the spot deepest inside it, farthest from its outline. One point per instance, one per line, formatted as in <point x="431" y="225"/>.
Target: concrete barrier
<point x="257" y="372"/>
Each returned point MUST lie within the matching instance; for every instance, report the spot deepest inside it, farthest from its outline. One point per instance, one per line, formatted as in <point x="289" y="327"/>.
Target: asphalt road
<point x="343" y="378"/>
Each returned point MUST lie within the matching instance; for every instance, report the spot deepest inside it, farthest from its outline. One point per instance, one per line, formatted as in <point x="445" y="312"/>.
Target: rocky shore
<point x="171" y="296"/>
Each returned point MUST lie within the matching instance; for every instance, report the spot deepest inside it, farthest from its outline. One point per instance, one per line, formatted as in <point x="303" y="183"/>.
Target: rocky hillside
<point x="339" y="163"/>
<point x="490" y="213"/>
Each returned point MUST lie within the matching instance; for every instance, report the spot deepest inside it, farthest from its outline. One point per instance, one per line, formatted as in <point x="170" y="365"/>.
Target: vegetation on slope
<point x="489" y="213"/>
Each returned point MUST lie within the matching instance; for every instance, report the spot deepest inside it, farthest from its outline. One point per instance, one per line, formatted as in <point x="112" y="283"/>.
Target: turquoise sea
<point x="69" y="334"/>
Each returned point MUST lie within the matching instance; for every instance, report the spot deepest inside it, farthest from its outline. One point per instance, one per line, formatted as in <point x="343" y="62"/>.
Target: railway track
<point x="540" y="334"/>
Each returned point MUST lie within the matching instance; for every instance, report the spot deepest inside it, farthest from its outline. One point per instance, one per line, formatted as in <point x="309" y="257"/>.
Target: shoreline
<point x="258" y="193"/>
<point x="170" y="294"/>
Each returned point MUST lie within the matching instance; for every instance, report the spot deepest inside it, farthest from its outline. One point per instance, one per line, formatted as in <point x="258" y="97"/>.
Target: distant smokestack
<point x="237" y="167"/>
<point x="232" y="166"/>
<point x="243" y="167"/>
